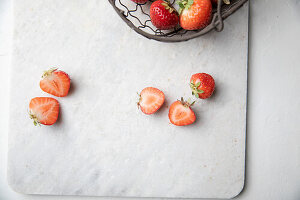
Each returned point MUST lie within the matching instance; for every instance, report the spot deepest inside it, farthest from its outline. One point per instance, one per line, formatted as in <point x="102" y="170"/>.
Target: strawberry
<point x="202" y="85"/>
<point x="215" y="2"/>
<point x="151" y="99"/>
<point x="55" y="82"/>
<point x="195" y="14"/>
<point x="140" y="1"/>
<point x="180" y="113"/>
<point x="163" y="15"/>
<point x="43" y="110"/>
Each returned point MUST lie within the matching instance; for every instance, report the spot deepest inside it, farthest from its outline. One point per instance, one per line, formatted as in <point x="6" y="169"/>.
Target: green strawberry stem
<point x="168" y="7"/>
<point x="186" y="103"/>
<point x="48" y="72"/>
<point x="184" y="4"/>
<point x="195" y="89"/>
<point x="34" y="118"/>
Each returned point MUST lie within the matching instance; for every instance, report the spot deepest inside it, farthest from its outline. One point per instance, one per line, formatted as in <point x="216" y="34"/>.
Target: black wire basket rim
<point x="216" y="23"/>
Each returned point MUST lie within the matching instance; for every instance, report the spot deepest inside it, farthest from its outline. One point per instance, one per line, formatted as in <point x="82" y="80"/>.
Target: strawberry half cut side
<point x="181" y="114"/>
<point x="43" y="110"/>
<point x="55" y="82"/>
<point x="151" y="99"/>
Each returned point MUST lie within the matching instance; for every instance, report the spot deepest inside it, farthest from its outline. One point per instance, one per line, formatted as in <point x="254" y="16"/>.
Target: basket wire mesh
<point x="137" y="17"/>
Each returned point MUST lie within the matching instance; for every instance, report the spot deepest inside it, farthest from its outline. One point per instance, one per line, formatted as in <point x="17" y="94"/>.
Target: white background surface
<point x="124" y="153"/>
<point x="273" y="137"/>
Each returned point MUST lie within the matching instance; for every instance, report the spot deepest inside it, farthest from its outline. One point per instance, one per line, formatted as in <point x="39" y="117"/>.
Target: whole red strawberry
<point x="195" y="14"/>
<point x="202" y="85"/>
<point x="140" y="1"/>
<point x="163" y="15"/>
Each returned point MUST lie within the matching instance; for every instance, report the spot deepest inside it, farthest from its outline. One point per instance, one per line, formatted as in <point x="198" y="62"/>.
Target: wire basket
<point x="137" y="17"/>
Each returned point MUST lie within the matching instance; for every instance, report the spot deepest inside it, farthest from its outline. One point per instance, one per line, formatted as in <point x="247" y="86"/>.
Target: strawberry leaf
<point x="180" y="4"/>
<point x="200" y="91"/>
<point x="168" y="7"/>
<point x="195" y="90"/>
<point x="189" y="4"/>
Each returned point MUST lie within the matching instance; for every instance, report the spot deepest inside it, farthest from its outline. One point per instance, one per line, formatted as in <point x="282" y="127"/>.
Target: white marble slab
<point x="102" y="145"/>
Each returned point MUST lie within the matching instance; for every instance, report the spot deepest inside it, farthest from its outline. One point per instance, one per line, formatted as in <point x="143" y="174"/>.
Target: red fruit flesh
<point x="44" y="110"/>
<point x="56" y="83"/>
<point x="181" y="114"/>
<point x="202" y="85"/>
<point x="151" y="99"/>
<point x="163" y="15"/>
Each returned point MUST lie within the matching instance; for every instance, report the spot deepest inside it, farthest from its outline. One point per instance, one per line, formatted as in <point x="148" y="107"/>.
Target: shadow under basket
<point x="137" y="17"/>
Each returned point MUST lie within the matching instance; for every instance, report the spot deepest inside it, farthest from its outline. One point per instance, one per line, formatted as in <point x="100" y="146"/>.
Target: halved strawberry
<point x="202" y="85"/>
<point x="151" y="99"/>
<point x="43" y="110"/>
<point x="55" y="82"/>
<point x="180" y="113"/>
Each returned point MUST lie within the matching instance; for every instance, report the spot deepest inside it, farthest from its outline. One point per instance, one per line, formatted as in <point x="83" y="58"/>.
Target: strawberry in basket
<point x="163" y="15"/>
<point x="195" y="14"/>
